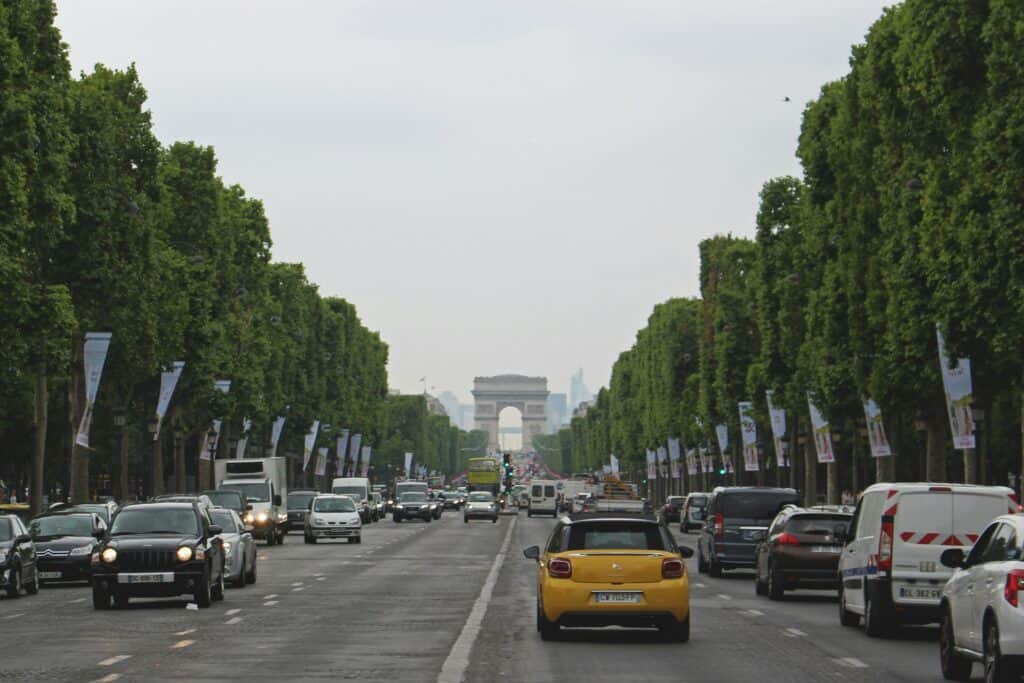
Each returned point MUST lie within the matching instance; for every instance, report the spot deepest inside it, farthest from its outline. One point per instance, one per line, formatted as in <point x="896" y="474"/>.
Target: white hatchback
<point x="983" y="604"/>
<point x="333" y="516"/>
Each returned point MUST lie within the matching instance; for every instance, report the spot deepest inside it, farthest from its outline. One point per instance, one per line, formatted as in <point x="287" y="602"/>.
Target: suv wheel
<point x="100" y="599"/>
<point x="714" y="569"/>
<point x="217" y="590"/>
<point x="875" y="624"/>
<point x="202" y="594"/>
<point x="955" y="667"/>
<point x="998" y="669"/>
<point x="121" y="600"/>
<point x="14" y="585"/>
<point x="251" y="576"/>
<point x="760" y="587"/>
<point x="776" y="587"/>
<point x="32" y="587"/>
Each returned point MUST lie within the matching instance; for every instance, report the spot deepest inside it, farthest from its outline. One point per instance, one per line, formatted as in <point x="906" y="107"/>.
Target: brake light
<point x="719" y="526"/>
<point x="559" y="568"/>
<point x="885" y="544"/>
<point x="787" y="539"/>
<point x="1014" y="584"/>
<point x="1016" y="503"/>
<point x="671" y="568"/>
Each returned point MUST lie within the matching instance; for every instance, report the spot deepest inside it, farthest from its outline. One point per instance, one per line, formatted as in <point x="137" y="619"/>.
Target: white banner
<point x="748" y="434"/>
<point x="364" y="462"/>
<point x="222" y="385"/>
<point x="778" y="420"/>
<point x="662" y="462"/>
<point x="705" y="459"/>
<point x="168" y="381"/>
<point x="876" y="430"/>
<point x="956" y="381"/>
<point x="94" y="355"/>
<point x="209" y="447"/>
<point x="353" y="454"/>
<point x="691" y="461"/>
<point x="275" y="434"/>
<point x="614" y="464"/>
<point x="822" y="434"/>
<point x="674" y="450"/>
<point x="244" y="440"/>
<point x="408" y="464"/>
<point x="722" y="432"/>
<point x="309" y="443"/>
<point x="652" y="464"/>
<point x="321" y="461"/>
<point x="339" y="453"/>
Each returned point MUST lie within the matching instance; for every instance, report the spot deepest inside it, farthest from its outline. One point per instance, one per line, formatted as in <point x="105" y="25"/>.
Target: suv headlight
<point x="81" y="551"/>
<point x="227" y="546"/>
<point x="262" y="517"/>
<point x="184" y="553"/>
<point x="109" y="555"/>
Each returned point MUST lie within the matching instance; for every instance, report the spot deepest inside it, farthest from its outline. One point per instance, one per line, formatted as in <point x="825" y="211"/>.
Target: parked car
<point x="412" y="505"/>
<point x="800" y="550"/>
<point x="737" y="516"/>
<point x="890" y="568"/>
<point x="231" y="499"/>
<point x="672" y="509"/>
<point x="298" y="508"/>
<point x="239" y="547"/>
<point x="334" y="516"/>
<point x="17" y="558"/>
<point x="65" y="541"/>
<point x="159" y="549"/>
<point x="694" y="512"/>
<point x="481" y="505"/>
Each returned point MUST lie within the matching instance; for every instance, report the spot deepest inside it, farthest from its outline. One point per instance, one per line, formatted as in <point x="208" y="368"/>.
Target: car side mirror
<point x="277" y="499"/>
<point x="532" y="553"/>
<point x="215" y="530"/>
<point x="23" y="538"/>
<point x="686" y="552"/>
<point x="952" y="558"/>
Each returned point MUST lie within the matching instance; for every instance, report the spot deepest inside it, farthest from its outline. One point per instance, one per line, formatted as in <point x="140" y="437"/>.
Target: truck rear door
<point x="922" y="529"/>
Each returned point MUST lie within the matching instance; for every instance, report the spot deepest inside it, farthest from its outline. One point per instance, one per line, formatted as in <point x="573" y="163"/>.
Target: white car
<point x="983" y="605"/>
<point x="333" y="516"/>
<point x="480" y="505"/>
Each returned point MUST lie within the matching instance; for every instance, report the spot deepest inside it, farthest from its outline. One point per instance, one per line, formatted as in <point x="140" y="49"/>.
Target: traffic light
<point x="721" y="470"/>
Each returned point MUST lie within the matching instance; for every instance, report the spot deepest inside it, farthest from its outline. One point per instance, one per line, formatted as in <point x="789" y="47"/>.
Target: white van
<point x="357" y="488"/>
<point x="889" y="569"/>
<point x="543" y="498"/>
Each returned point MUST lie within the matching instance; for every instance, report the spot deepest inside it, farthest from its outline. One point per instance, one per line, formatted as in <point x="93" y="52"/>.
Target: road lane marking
<point x="457" y="662"/>
<point x="233" y="620"/>
<point x="321" y="578"/>
<point x="182" y="644"/>
<point x="793" y="633"/>
<point x="109" y="678"/>
<point x="185" y="632"/>
<point x="270" y="603"/>
<point x="233" y="611"/>
<point x="15" y="616"/>
<point x="300" y="588"/>
<point x="755" y="612"/>
<point x="77" y="601"/>
<point x="850" y="663"/>
<point x="723" y="596"/>
<point x="700" y="585"/>
<point x="270" y="597"/>
<point x="297" y="583"/>
<point x="111" y="661"/>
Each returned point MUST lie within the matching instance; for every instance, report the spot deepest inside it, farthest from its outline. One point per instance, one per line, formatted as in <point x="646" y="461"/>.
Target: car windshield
<point x="359" y="491"/>
<point x="6" y="530"/>
<point x="334" y="505"/>
<point x="481" y="497"/>
<point x="698" y="501"/>
<point x="102" y="510"/>
<point x="408" y="487"/>
<point x="755" y="505"/>
<point x="821" y="525"/>
<point x="300" y="501"/>
<point x="225" y="499"/>
<point x="225" y="520"/>
<point x="675" y="500"/>
<point x="155" y="521"/>
<point x="609" y="535"/>
<point x="61" y="525"/>
<point x="413" y="497"/>
<point x="256" y="492"/>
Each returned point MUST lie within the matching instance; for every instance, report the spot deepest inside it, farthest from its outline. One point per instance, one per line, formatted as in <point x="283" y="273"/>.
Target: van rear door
<point x="922" y="529"/>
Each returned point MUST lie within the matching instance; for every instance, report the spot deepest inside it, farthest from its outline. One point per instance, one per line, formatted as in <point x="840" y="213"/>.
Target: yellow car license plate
<point x="618" y="597"/>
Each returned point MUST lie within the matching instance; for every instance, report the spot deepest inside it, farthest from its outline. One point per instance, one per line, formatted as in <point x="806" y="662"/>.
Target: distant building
<point x="434" y="406"/>
<point x="558" y="412"/>
<point x="578" y="392"/>
<point x="582" y="409"/>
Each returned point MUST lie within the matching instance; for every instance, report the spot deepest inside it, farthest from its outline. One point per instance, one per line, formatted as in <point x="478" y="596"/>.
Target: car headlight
<point x="227" y="546"/>
<point x="262" y="517"/>
<point x="318" y="520"/>
<point x="248" y="519"/>
<point x="109" y="555"/>
<point x="399" y="507"/>
<point x="81" y="551"/>
<point x="3" y="556"/>
<point x="354" y="522"/>
<point x="390" y="502"/>
<point x="184" y="553"/>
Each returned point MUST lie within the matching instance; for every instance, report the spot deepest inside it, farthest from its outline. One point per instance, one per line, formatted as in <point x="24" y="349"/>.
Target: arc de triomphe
<point x="529" y="395"/>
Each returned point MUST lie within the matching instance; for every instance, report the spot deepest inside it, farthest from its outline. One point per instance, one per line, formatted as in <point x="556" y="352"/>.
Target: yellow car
<point x="612" y="571"/>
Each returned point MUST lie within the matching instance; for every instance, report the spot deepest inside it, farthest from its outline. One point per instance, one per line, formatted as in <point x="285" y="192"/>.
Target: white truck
<point x="264" y="483"/>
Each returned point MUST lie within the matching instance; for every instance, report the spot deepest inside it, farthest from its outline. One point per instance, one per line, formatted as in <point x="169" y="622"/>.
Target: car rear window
<point x="536" y="492"/>
<point x="615" y="536"/>
<point x="822" y="525"/>
<point x="754" y="504"/>
<point x="549" y="491"/>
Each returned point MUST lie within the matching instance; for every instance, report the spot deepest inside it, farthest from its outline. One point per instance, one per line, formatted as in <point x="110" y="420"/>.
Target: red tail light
<point x="1014" y="584"/>
<point x="787" y="539"/>
<point x="671" y="568"/>
<point x="719" y="526"/>
<point x="885" y="544"/>
<point x="1016" y="503"/>
<point x="559" y="568"/>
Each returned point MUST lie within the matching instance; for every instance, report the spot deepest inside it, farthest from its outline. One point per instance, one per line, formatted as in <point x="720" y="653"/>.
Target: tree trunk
<point x="78" y="487"/>
<point x="810" y="476"/>
<point x="935" y="465"/>
<point x="39" y="454"/>
<point x="180" y="475"/>
<point x="791" y="448"/>
<point x="156" y="465"/>
<point x="832" y="485"/>
<point x="971" y="465"/>
<point x="122" y="489"/>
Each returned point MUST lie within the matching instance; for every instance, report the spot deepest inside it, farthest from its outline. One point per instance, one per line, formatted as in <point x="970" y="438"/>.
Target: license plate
<point x="920" y="593"/>
<point x="163" y="577"/>
<point x="619" y="598"/>
<point x="50" y="575"/>
<point x="824" y="549"/>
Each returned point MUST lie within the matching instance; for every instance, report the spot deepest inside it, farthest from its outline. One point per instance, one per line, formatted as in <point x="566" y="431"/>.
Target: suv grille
<point x="135" y="560"/>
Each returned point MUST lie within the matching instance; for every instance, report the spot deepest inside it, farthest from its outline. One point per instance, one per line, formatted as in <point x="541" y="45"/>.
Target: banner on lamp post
<point x="822" y="434"/>
<point x="614" y="465"/>
<point x="275" y="434"/>
<point x="778" y="421"/>
<point x="956" y="381"/>
<point x="364" y="461"/>
<point x="309" y="443"/>
<point x="748" y="434"/>
<point x="168" y="381"/>
<point x="876" y="430"/>
<point x="662" y="462"/>
<point x="652" y="464"/>
<point x="210" y="440"/>
<point x="339" y="453"/>
<point x="94" y="355"/>
<point x="691" y="461"/>
<point x="354" y="444"/>
<point x="243" y="442"/>
<point x="408" y="464"/>
<point x="321" y="461"/>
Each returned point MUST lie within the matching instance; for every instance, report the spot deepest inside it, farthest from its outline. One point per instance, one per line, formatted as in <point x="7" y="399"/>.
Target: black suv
<point x="17" y="558"/>
<point x="736" y="521"/>
<point x="159" y="550"/>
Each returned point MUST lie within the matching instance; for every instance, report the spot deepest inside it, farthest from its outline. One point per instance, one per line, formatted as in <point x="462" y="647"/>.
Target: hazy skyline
<point x="497" y="186"/>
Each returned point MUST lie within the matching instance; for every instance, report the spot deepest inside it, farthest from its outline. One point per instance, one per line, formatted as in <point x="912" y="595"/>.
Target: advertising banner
<point x="408" y="464"/>
<point x="705" y="459"/>
<point x="876" y="430"/>
<point x="748" y="434"/>
<point x="168" y="381"/>
<point x="778" y="420"/>
<point x="94" y="355"/>
<point x="209" y="447"/>
<point x="614" y="465"/>
<point x="353" y="454"/>
<point x="244" y="440"/>
<point x="339" y="453"/>
<point x="309" y="443"/>
<point x="691" y="461"/>
<point x="652" y="464"/>
<point x="662" y="462"/>
<point x="822" y="434"/>
<point x="722" y="432"/>
<point x="321" y="461"/>
<point x="364" y="462"/>
<point x="956" y="381"/>
<point x="275" y="434"/>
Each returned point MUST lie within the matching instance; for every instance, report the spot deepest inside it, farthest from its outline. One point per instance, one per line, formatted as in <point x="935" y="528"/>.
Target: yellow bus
<point x="484" y="474"/>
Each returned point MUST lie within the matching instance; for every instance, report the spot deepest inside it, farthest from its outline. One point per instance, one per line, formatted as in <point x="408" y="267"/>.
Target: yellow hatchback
<point x="612" y="571"/>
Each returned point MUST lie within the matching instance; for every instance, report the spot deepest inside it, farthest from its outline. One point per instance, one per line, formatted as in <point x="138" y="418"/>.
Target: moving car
<point x="298" y="508"/>
<point x="17" y="558"/>
<point x="800" y="550"/>
<point x="65" y="542"/>
<point x="239" y="547"/>
<point x="694" y="510"/>
<point x="982" y="619"/>
<point x="543" y="498"/>
<point x="377" y="501"/>
<point x="412" y="505"/>
<point x="737" y="517"/>
<point x="228" y="498"/>
<point x="613" y="570"/>
<point x="333" y="516"/>
<point x="672" y="509"/>
<point x="481" y="505"/>
<point x="198" y="498"/>
<point x="158" y="550"/>
<point x="358" y="488"/>
<point x="436" y="506"/>
<point x="890" y="568"/>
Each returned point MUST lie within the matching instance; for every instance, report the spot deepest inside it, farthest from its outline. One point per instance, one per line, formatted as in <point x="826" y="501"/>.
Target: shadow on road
<point x="618" y="636"/>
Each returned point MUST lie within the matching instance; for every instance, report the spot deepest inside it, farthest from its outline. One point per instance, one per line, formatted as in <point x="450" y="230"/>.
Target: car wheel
<point x="217" y="590"/>
<point x="202" y="594"/>
<point x="998" y="669"/>
<point x="875" y="624"/>
<point x="32" y="587"/>
<point x="760" y="587"/>
<point x="311" y="540"/>
<point x="955" y="667"/>
<point x="240" y="583"/>
<point x="714" y="569"/>
<point x="679" y="631"/>
<point x="350" y="540"/>
<point x="494" y="520"/>
<point x="271" y="536"/>
<point x="251" y="577"/>
<point x="529" y="513"/>
<point x="776" y="587"/>
<point x="846" y="617"/>
<point x="398" y="520"/>
<point x="100" y="599"/>
<point x="465" y="520"/>
<point x="702" y="566"/>
<point x="121" y="600"/>
<point x="429" y="519"/>
<point x="14" y="585"/>
<point x="549" y="630"/>
<point x="359" y="539"/>
<point x="280" y="538"/>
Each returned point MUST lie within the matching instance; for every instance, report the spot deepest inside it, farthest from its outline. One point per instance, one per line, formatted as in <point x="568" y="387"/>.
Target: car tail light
<point x="885" y="544"/>
<point x="719" y="526"/>
<point x="1014" y="584"/>
<point x="559" y="568"/>
<point x="787" y="539"/>
<point x="1016" y="503"/>
<point x="671" y="568"/>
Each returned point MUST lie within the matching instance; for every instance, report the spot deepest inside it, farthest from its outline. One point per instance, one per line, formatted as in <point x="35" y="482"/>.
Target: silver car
<point x="239" y="547"/>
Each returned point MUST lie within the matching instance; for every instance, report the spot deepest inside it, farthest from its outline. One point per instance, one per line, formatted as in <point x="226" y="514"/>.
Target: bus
<point x="484" y="475"/>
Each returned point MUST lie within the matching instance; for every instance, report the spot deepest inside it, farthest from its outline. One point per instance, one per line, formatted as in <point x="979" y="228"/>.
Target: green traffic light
<point x="721" y="471"/>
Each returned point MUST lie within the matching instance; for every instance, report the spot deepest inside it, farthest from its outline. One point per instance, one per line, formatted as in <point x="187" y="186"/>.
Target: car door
<point x="26" y="552"/>
<point x="963" y="587"/>
<point x="991" y="572"/>
<point x="855" y="561"/>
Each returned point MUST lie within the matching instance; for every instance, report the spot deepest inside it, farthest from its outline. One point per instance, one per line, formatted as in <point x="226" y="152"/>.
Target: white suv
<point x="983" y="605"/>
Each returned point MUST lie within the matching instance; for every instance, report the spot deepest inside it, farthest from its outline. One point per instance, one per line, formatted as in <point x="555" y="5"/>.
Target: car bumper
<point x="335" y="532"/>
<point x="64" y="570"/>
<point x="182" y="582"/>
<point x="735" y="554"/>
<point x="296" y="521"/>
<point x="480" y="514"/>
<point x="569" y="603"/>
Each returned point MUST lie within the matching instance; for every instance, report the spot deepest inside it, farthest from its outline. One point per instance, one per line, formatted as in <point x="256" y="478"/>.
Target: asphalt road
<point x="435" y="602"/>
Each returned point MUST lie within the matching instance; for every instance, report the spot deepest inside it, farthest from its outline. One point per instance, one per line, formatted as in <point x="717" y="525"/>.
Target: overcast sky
<point x="498" y="186"/>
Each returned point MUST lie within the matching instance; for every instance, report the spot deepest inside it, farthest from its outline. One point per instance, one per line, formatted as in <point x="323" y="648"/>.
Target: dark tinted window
<point x="753" y="504"/>
<point x="299" y="501"/>
<point x="61" y="525"/>
<point x="334" y="505"/>
<point x="413" y="497"/>
<point x="225" y="499"/>
<point x="549" y="491"/>
<point x="675" y="500"/>
<point x="697" y="501"/>
<point x="156" y="521"/>
<point x="536" y="492"/>
<point x="824" y="525"/>
<point x="225" y="520"/>
<point x="6" y="530"/>
<point x="616" y="536"/>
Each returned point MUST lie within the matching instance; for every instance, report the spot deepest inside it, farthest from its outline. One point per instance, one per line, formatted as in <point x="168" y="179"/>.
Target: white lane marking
<point x="457" y="662"/>
<point x="15" y="616"/>
<point x="300" y="588"/>
<point x="723" y="596"/>
<point x="233" y="620"/>
<point x="755" y="612"/>
<point x="700" y="585"/>
<point x="182" y="644"/>
<point x="270" y="597"/>
<point x="233" y="611"/>
<point x="77" y="601"/>
<point x="321" y="578"/>
<point x="297" y="583"/>
<point x="850" y="663"/>
<point x="185" y="632"/>
<point x="110" y="661"/>
<point x="793" y="633"/>
<point x="109" y="678"/>
<point x="270" y="603"/>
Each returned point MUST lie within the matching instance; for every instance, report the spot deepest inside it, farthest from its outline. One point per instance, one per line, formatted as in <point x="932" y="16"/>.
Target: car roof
<point x="65" y="513"/>
<point x="599" y="517"/>
<point x="903" y="486"/>
<point x="752" y="489"/>
<point x="164" y="505"/>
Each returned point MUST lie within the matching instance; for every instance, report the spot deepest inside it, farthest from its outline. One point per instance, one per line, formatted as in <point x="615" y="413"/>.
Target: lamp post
<point x="120" y="419"/>
<point x="156" y="469"/>
<point x="180" y="479"/>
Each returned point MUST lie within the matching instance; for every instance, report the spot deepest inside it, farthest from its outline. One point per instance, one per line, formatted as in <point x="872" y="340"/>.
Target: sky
<point x="499" y="187"/>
